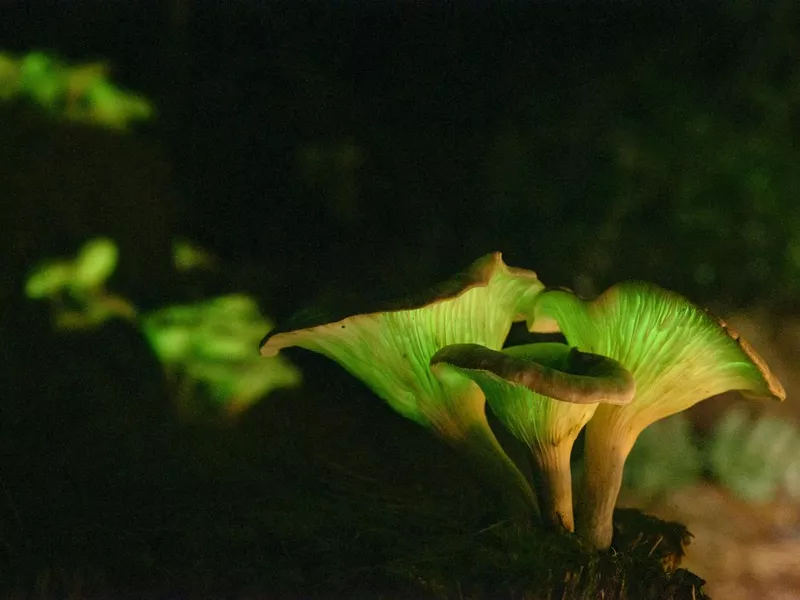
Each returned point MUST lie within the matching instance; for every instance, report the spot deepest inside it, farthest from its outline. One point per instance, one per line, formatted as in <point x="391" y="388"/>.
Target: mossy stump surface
<point x="409" y="552"/>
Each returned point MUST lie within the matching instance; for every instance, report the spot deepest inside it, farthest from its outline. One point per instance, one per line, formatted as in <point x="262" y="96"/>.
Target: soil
<point x="744" y="551"/>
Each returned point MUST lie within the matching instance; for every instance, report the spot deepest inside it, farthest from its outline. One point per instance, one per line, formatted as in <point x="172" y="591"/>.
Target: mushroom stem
<point x="678" y="355"/>
<point x="554" y="484"/>
<point x="496" y="469"/>
<point x="462" y="423"/>
<point x="605" y="454"/>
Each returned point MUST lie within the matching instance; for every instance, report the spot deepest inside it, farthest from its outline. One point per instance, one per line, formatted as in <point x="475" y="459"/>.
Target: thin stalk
<point x="463" y="424"/>
<point x="498" y="471"/>
<point x="554" y="484"/>
<point x="605" y="456"/>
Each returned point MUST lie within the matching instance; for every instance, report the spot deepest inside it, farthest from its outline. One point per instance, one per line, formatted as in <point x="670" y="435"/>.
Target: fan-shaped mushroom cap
<point x="678" y="355"/>
<point x="389" y="348"/>
<point x="544" y="394"/>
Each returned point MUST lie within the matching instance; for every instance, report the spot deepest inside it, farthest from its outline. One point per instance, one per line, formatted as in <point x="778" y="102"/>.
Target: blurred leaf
<point x="96" y="261"/>
<point x="40" y="79"/>
<point x="215" y="342"/>
<point x="171" y="343"/>
<point x="82" y="77"/>
<point x="107" y="105"/>
<point x="187" y="256"/>
<point x="49" y="279"/>
<point x="9" y="77"/>
<point x="791" y="478"/>
<point x="245" y="382"/>
<point x="755" y="458"/>
<point x="664" y="458"/>
<point x="80" y="93"/>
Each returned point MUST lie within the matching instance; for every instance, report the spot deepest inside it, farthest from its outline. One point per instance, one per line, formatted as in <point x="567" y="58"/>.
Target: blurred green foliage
<point x="76" y="288"/>
<point x="212" y="344"/>
<point x="650" y="470"/>
<point x="187" y="256"/>
<point x="95" y="262"/>
<point x="215" y="344"/>
<point x="76" y="92"/>
<point x="755" y="458"/>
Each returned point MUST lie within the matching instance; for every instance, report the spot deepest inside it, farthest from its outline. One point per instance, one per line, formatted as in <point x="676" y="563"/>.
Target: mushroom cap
<point x="543" y="393"/>
<point x="389" y="347"/>
<point x="677" y="352"/>
<point x="481" y="273"/>
<point x="552" y="370"/>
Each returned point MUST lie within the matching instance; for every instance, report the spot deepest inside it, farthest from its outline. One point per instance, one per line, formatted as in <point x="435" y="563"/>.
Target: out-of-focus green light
<point x="107" y="105"/>
<point x="170" y="343"/>
<point x="9" y="77"/>
<point x="753" y="458"/>
<point x="237" y="385"/>
<point x="187" y="256"/>
<point x="650" y="471"/>
<point x="215" y="343"/>
<point x="40" y="80"/>
<point x="79" y="93"/>
<point x="222" y="329"/>
<point x="49" y="279"/>
<point x="96" y="261"/>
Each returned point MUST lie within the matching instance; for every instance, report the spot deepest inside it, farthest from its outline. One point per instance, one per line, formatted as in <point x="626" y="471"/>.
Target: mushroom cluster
<point x="636" y="354"/>
<point x="678" y="355"/>
<point x="390" y="348"/>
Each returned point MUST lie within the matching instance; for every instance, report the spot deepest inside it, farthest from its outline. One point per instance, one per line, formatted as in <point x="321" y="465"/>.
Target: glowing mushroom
<point x="390" y="349"/>
<point x="678" y="355"/>
<point x="544" y="394"/>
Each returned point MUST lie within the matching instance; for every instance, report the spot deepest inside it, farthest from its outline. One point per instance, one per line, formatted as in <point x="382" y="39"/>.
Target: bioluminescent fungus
<point x="212" y="343"/>
<point x="544" y="394"/>
<point x="390" y="349"/>
<point x="678" y="355"/>
<point x="79" y="93"/>
<point x="94" y="263"/>
<point x="77" y="288"/>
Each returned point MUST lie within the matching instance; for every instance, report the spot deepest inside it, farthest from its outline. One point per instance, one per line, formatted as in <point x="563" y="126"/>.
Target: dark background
<point x="336" y="149"/>
<point x="371" y="144"/>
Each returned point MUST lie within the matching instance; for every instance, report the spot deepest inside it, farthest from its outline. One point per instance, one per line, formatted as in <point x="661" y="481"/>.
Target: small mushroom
<point x="678" y="355"/>
<point x="544" y="394"/>
<point x="389" y="349"/>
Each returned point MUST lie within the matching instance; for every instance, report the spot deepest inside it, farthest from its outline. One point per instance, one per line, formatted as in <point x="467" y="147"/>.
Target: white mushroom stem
<point x="554" y="483"/>
<point x="605" y="453"/>
<point x="544" y="394"/>
<point x="511" y="489"/>
<point x="461" y="422"/>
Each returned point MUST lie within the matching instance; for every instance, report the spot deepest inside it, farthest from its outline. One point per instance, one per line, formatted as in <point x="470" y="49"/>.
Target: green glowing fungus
<point x="77" y="92"/>
<point x="544" y="394"/>
<point x="390" y="349"/>
<point x="49" y="279"/>
<point x="678" y="355"/>
<point x="213" y="343"/>
<point x="96" y="261"/>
